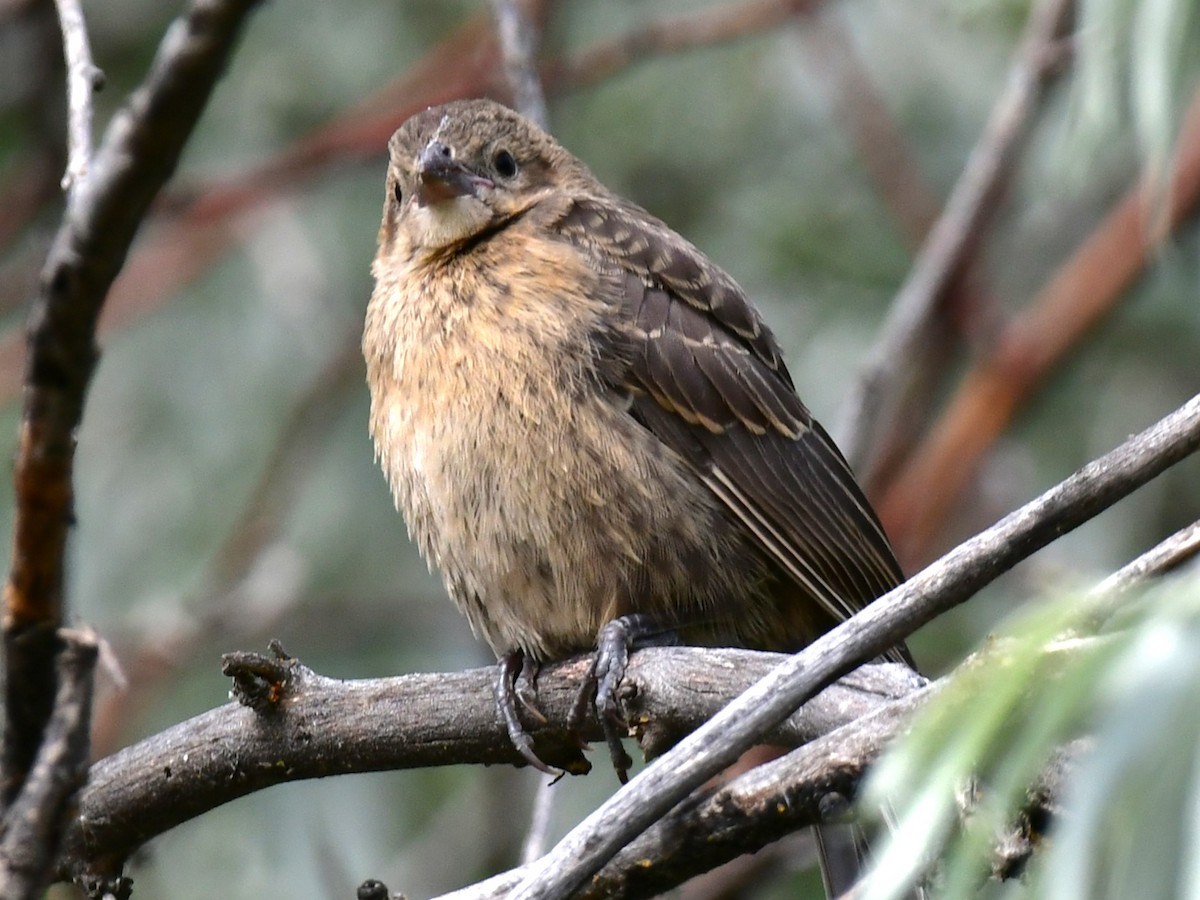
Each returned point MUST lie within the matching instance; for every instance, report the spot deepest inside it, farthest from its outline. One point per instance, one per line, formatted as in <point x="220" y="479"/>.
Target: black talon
<point x="615" y="642"/>
<point x="507" y="694"/>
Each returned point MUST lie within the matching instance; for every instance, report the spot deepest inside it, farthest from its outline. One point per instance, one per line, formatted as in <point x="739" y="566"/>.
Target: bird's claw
<point x="599" y="690"/>
<point x="512" y="686"/>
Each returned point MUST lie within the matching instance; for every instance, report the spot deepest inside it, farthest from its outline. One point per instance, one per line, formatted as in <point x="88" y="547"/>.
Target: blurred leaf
<point x="1132" y="799"/>
<point x="1138" y="63"/>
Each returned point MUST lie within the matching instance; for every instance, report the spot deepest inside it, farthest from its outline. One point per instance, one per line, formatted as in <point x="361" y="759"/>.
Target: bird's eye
<point x="397" y="193"/>
<point x="505" y="165"/>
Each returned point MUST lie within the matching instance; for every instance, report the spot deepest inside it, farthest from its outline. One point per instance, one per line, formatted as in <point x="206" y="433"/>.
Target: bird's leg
<point x="615" y="642"/>
<point x="508" y="673"/>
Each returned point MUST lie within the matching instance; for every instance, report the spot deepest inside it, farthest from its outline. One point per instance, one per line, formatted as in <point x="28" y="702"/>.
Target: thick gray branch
<point x="310" y="726"/>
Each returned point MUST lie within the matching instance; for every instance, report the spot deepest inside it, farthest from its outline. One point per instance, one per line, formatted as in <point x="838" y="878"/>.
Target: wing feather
<point x="707" y="378"/>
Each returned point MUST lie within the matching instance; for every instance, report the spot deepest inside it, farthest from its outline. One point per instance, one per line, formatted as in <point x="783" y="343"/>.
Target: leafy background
<point x="226" y="488"/>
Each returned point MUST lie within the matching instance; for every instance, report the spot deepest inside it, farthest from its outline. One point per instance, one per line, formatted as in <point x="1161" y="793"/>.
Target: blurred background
<point x="226" y="488"/>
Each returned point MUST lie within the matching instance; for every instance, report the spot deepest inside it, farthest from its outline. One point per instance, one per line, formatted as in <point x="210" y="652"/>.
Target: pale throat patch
<point x="450" y="221"/>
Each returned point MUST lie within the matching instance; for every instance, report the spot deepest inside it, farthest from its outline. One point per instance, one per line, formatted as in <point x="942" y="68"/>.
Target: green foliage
<point x="1138" y="63"/>
<point x="1132" y="799"/>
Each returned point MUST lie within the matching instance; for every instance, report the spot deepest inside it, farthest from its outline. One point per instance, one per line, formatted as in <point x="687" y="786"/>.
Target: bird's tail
<point x="843" y="853"/>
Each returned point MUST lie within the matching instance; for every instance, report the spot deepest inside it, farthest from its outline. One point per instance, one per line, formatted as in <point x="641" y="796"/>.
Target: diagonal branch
<point x="888" y="620"/>
<point x="139" y="153"/>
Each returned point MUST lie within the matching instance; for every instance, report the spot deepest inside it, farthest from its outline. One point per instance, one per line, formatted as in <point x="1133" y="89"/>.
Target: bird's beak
<point x="441" y="177"/>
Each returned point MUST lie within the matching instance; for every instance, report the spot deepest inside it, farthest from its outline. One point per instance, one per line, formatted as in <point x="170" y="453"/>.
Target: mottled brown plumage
<point x="583" y="418"/>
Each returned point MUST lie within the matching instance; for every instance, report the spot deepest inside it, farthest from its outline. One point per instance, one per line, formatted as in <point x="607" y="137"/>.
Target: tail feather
<point x="843" y="852"/>
<point x="842" y="855"/>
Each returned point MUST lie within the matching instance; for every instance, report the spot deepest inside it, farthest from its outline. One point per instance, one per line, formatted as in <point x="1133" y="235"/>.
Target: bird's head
<point x="462" y="170"/>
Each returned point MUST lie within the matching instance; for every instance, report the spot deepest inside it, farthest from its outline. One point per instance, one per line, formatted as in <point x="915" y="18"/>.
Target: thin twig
<point x="1180" y="547"/>
<point x="33" y="825"/>
<point x="967" y="213"/>
<point x="890" y="619"/>
<point x="1160" y="559"/>
<point x="519" y="41"/>
<point x="540" y="819"/>
<point x="139" y="152"/>
<point x="83" y="79"/>
<point x="706" y="28"/>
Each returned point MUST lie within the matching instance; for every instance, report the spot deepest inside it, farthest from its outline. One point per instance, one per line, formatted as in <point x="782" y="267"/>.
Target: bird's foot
<point x="615" y="642"/>
<point x="516" y="682"/>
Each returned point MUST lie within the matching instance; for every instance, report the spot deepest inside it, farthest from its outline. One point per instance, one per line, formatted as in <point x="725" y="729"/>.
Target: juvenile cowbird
<point x="584" y="420"/>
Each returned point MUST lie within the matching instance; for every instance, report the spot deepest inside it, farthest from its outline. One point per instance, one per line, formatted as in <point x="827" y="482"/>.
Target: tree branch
<point x="307" y="726"/>
<point x="32" y="824"/>
<point x="1179" y="548"/>
<point x="884" y="623"/>
<point x="83" y="79"/>
<point x="140" y="150"/>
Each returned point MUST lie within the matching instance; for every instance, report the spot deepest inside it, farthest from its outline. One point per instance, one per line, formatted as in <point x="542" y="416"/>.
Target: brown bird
<point x="585" y="421"/>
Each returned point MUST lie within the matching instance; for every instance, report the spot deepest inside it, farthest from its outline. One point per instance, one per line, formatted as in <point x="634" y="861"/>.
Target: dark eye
<point x="505" y="165"/>
<point x="397" y="193"/>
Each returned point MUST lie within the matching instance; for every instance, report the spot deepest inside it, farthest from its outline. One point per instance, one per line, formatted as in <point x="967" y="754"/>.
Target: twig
<point x="888" y="620"/>
<point x="139" y="152"/>
<point x="1160" y="559"/>
<point x="707" y="28"/>
<point x="519" y="41"/>
<point x="320" y="726"/>
<point x="33" y="825"/>
<point x="83" y="79"/>
<point x="1084" y="289"/>
<point x="540" y="818"/>
<point x="967" y="212"/>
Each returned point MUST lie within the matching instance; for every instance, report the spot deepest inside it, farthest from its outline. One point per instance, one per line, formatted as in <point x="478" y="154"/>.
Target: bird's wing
<point x="708" y="379"/>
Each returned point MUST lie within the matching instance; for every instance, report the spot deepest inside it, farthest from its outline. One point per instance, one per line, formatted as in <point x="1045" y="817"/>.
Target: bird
<point x="588" y="427"/>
